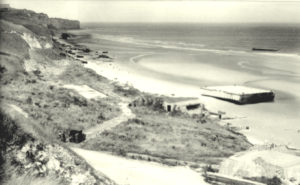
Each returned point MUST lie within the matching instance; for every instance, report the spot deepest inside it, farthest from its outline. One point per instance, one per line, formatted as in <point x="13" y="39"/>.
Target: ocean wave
<point x="150" y="43"/>
<point x="178" y="45"/>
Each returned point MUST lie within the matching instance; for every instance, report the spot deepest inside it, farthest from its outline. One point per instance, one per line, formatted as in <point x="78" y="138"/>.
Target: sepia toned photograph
<point x="150" y="92"/>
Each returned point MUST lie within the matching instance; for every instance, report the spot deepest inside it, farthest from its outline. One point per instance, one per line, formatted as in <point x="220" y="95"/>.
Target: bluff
<point x="23" y="29"/>
<point x="29" y="151"/>
<point x="63" y="23"/>
<point x="29" y="18"/>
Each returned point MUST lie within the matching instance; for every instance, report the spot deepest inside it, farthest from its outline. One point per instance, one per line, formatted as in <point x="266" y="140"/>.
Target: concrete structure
<point x="267" y="163"/>
<point x="183" y="106"/>
<point x="238" y="94"/>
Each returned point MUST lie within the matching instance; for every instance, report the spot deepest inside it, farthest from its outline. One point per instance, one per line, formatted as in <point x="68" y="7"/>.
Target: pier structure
<point x="238" y="94"/>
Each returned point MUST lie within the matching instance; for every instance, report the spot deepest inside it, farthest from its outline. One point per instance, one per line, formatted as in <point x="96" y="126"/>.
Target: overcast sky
<point x="166" y="11"/>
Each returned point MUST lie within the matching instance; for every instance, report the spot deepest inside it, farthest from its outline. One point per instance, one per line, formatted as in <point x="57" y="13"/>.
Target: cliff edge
<point x="30" y="64"/>
<point x="30" y="18"/>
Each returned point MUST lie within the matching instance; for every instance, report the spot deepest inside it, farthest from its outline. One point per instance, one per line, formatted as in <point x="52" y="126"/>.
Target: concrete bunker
<point x="182" y="105"/>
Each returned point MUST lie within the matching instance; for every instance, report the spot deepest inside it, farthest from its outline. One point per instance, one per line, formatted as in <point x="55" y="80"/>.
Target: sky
<point x="207" y="11"/>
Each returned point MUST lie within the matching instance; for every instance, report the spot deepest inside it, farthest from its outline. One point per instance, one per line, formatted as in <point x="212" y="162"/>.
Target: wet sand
<point x="270" y="122"/>
<point x="175" y="72"/>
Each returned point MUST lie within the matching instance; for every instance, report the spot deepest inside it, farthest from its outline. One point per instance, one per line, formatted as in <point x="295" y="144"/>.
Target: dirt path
<point x="107" y="125"/>
<point x="134" y="172"/>
<point x="90" y="93"/>
<point x="19" y="110"/>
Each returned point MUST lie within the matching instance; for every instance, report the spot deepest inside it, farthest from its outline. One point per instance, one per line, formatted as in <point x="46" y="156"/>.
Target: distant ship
<point x="264" y="49"/>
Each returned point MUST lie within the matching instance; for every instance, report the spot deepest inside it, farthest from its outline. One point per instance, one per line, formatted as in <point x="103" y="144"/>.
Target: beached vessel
<point x="238" y="94"/>
<point x="264" y="49"/>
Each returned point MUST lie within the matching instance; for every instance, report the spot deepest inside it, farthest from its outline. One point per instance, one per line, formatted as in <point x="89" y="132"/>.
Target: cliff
<point x="63" y="23"/>
<point x="30" y="152"/>
<point x="39" y="20"/>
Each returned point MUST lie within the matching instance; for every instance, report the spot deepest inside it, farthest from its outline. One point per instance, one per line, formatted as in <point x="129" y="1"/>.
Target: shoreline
<point x="108" y="70"/>
<point x="172" y="46"/>
<point x="131" y="70"/>
<point x="115" y="71"/>
<point x="84" y="111"/>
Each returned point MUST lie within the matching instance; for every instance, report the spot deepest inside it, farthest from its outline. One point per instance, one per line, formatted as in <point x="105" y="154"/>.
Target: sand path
<point x="19" y="110"/>
<point x="107" y="125"/>
<point x="133" y="172"/>
<point x="90" y="93"/>
<point x="280" y="116"/>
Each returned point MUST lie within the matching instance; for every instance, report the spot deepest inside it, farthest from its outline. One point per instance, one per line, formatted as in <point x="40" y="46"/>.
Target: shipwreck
<point x="265" y="49"/>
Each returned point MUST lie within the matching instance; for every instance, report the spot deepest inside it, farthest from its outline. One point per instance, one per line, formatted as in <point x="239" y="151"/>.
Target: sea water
<point x="223" y="37"/>
<point x="216" y="54"/>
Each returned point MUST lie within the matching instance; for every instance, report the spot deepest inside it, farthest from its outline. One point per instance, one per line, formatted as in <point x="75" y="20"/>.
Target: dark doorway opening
<point x="169" y="108"/>
<point x="193" y="106"/>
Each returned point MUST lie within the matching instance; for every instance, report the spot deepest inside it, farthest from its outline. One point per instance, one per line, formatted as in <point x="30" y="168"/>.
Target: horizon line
<point x="180" y="22"/>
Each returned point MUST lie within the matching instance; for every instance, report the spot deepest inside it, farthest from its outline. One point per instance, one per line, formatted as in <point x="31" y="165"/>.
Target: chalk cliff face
<point x="63" y="23"/>
<point x="22" y="30"/>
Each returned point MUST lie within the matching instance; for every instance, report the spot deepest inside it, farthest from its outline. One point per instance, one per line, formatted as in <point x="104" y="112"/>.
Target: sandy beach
<point x="160" y="93"/>
<point x="182" y="73"/>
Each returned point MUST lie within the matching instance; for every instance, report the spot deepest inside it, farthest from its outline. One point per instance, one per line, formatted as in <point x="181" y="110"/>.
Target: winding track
<point x="107" y="125"/>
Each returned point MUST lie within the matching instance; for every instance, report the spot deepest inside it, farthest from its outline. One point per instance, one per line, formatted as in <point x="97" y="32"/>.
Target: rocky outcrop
<point x="18" y="40"/>
<point x="53" y="160"/>
<point x="29" y="153"/>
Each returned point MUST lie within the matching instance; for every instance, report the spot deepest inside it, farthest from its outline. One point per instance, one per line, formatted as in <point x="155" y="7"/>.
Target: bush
<point x="209" y="168"/>
<point x="121" y="152"/>
<point x="2" y="69"/>
<point x="10" y="135"/>
<point x="126" y="91"/>
<point x="30" y="179"/>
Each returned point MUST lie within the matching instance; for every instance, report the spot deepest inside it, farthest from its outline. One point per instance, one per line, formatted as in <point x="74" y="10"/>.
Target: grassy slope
<point x="16" y="134"/>
<point x="32" y="79"/>
<point x="39" y="92"/>
<point x="177" y="137"/>
<point x="34" y="85"/>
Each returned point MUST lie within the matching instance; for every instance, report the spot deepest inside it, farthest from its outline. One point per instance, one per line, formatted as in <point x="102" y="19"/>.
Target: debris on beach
<point x="103" y="56"/>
